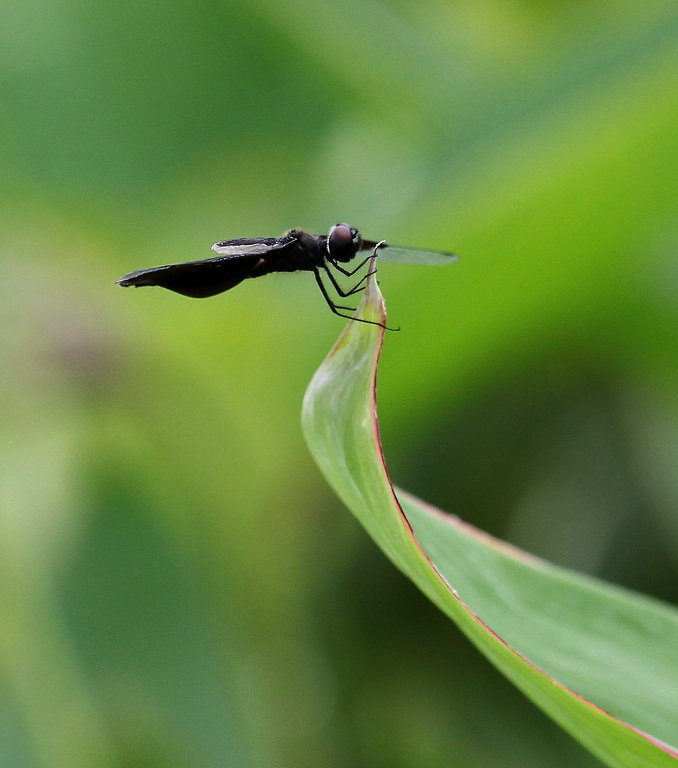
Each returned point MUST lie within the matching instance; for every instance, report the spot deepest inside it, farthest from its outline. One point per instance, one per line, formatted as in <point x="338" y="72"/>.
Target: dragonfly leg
<point x="326" y="296"/>
<point x="356" y="288"/>
<point x="349" y="272"/>
<point x="335" y="308"/>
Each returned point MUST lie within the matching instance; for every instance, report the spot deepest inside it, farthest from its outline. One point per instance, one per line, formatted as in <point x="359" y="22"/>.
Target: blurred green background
<point x="178" y="586"/>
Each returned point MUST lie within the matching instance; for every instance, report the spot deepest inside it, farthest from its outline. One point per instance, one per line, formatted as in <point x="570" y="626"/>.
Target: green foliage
<point x="601" y="661"/>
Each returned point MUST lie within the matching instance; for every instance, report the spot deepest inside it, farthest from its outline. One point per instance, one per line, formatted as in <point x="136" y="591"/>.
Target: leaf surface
<point x="600" y="660"/>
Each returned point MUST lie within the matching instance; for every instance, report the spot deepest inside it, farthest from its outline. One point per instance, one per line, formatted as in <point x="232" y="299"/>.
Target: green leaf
<point x="599" y="660"/>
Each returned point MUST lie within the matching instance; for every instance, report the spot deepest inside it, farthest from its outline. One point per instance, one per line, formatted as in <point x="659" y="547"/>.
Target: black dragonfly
<point x="296" y="250"/>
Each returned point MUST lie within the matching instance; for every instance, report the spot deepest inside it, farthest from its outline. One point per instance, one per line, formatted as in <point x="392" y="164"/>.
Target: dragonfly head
<point x="343" y="242"/>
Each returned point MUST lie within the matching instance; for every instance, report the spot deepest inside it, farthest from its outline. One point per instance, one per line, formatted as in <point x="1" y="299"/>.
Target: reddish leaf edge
<point x="519" y="554"/>
<point x="374" y="298"/>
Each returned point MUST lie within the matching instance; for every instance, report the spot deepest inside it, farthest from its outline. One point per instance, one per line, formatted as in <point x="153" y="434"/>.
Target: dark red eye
<point x="342" y="242"/>
<point x="340" y="234"/>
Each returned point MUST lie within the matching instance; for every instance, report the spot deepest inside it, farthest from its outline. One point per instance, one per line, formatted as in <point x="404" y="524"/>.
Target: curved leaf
<point x="601" y="661"/>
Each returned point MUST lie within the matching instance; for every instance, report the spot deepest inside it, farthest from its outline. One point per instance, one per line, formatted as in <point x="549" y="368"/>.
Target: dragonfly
<point x="297" y="250"/>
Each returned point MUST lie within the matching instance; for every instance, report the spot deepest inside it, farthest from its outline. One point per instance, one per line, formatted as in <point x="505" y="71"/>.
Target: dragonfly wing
<point x="236" y="261"/>
<point x="250" y="246"/>
<point x="410" y="255"/>
<point x="198" y="279"/>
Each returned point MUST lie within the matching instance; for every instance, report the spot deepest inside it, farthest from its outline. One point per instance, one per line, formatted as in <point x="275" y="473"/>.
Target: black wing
<point x="207" y="277"/>
<point x="409" y="255"/>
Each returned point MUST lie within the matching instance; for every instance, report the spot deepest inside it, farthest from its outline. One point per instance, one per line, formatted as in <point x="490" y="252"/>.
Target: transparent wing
<point x="410" y="255"/>
<point x="249" y="246"/>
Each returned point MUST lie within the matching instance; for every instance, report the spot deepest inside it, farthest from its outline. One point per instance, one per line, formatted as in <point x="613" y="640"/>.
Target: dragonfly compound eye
<point x="341" y="243"/>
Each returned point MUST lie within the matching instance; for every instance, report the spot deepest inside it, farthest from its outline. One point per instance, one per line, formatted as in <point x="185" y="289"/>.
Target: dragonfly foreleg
<point x="356" y="288"/>
<point x="335" y="307"/>
<point x="350" y="272"/>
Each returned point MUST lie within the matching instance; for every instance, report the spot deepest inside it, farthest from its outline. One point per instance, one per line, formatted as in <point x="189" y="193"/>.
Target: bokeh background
<point x="178" y="586"/>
